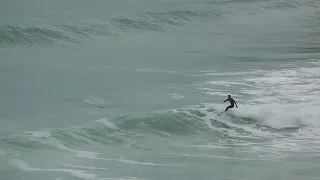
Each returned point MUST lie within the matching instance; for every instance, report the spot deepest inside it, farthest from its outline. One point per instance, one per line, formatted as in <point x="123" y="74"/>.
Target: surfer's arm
<point x="236" y="104"/>
<point x="226" y="100"/>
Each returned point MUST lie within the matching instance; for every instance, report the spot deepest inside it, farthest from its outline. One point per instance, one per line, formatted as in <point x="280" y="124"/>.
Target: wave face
<point x="170" y="140"/>
<point x="121" y="89"/>
<point x="251" y="120"/>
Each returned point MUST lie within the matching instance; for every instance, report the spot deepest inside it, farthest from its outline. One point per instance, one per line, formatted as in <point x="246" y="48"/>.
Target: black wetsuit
<point x="232" y="103"/>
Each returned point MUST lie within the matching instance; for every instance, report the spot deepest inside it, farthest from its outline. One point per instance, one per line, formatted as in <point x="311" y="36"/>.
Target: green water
<point x="134" y="89"/>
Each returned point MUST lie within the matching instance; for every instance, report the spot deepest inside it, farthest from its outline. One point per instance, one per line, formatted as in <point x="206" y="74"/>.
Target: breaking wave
<point x="249" y="121"/>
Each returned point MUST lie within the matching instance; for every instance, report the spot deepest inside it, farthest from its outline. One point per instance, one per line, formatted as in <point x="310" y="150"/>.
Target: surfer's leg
<point x="231" y="106"/>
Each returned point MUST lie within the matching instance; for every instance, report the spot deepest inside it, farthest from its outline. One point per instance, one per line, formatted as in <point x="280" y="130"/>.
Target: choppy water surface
<point x="133" y="90"/>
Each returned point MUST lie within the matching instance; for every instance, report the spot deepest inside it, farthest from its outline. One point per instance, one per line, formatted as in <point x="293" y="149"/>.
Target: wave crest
<point x="246" y="121"/>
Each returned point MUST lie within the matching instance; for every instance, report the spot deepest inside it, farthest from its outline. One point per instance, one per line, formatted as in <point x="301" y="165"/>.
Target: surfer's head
<point x="229" y="96"/>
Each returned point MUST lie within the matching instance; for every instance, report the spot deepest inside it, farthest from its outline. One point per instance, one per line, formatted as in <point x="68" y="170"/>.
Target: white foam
<point x="146" y="163"/>
<point x="227" y="83"/>
<point x="242" y="159"/>
<point x="127" y="161"/>
<point x="57" y="145"/>
<point x="292" y="85"/>
<point x="20" y="164"/>
<point x="255" y="132"/>
<point x="315" y="61"/>
<point x="80" y="174"/>
<point x="213" y="73"/>
<point x="75" y="173"/>
<point x="273" y="80"/>
<point x="123" y="178"/>
<point x="108" y="124"/>
<point x="309" y="72"/>
<point x="155" y="71"/>
<point x="281" y="116"/>
<point x="208" y="71"/>
<point x="86" y="154"/>
<point x="177" y="96"/>
<point x="219" y="157"/>
<point x="276" y="115"/>
<point x="216" y="92"/>
<point x="206" y="109"/>
<point x="40" y="134"/>
<point x="84" y="167"/>
<point x="95" y="101"/>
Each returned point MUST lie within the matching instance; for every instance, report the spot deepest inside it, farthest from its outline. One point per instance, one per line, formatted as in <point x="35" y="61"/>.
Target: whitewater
<point x="134" y="89"/>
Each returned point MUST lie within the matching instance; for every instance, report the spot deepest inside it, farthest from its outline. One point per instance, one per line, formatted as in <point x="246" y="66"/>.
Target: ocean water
<point x="134" y="89"/>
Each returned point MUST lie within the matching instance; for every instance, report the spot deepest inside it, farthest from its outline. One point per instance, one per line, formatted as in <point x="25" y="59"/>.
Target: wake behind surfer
<point x="231" y="101"/>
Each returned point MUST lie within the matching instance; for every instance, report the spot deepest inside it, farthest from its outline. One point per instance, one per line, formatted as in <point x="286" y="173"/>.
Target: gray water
<point x="134" y="89"/>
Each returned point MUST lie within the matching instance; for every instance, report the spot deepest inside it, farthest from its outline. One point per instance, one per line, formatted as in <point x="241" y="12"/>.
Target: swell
<point x="11" y="35"/>
<point x="156" y="22"/>
<point x="273" y="4"/>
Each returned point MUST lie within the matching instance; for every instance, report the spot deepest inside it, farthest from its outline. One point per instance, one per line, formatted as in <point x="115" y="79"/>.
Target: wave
<point x="249" y="121"/>
<point x="151" y="21"/>
<point x="30" y="35"/>
<point x="279" y="116"/>
<point x="117" y="131"/>
<point x="156" y="22"/>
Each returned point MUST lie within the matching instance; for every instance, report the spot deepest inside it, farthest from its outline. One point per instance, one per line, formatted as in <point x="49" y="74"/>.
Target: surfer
<point x="231" y="101"/>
